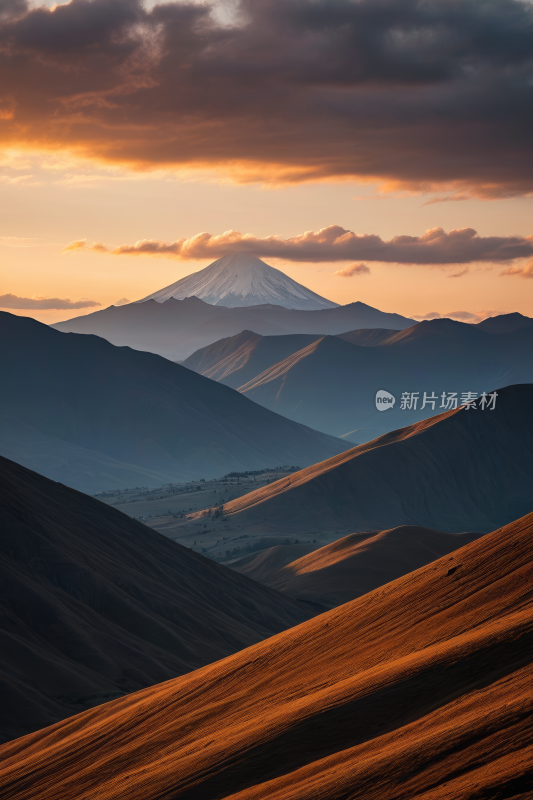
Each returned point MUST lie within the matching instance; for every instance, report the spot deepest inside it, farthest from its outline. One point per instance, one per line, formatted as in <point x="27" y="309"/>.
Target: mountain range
<point x="419" y="689"/>
<point x="463" y="470"/>
<point x="242" y="280"/>
<point x="94" y="416"/>
<point x="132" y="668"/>
<point x="95" y="605"/>
<point x="330" y="382"/>
<point x="176" y="328"/>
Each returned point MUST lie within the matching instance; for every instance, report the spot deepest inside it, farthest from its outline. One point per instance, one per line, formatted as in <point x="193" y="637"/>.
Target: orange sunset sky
<point x="122" y="122"/>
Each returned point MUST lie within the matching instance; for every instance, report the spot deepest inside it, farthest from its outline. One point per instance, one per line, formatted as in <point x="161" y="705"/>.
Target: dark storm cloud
<point x="43" y="303"/>
<point x="334" y="243"/>
<point x="414" y="93"/>
<point x="12" y="8"/>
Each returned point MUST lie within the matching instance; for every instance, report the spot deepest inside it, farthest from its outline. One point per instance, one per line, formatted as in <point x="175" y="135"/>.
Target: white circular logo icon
<point x="384" y="400"/>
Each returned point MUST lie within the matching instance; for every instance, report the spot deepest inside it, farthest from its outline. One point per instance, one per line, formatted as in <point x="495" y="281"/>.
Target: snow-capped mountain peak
<point x="242" y="280"/>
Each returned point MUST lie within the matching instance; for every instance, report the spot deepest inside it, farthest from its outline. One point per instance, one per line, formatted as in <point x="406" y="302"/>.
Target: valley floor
<point x="173" y="511"/>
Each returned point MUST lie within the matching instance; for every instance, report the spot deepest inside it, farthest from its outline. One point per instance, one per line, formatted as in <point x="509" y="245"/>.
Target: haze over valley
<point x="95" y="416"/>
<point x="177" y="328"/>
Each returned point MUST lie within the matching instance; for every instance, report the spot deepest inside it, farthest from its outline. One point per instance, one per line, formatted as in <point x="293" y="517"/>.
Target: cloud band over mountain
<point x="421" y="95"/>
<point x="334" y="243"/>
<point x="44" y="303"/>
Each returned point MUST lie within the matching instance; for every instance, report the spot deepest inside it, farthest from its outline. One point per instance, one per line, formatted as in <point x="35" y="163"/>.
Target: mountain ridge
<point x="330" y="382"/>
<point x="505" y="322"/>
<point x="177" y="328"/>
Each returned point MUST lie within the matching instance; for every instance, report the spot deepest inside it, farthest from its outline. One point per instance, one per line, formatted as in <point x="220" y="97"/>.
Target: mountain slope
<point x="95" y="605"/>
<point x="238" y="359"/>
<point x="504" y="323"/>
<point x="420" y="689"/>
<point x="176" y="328"/>
<point x="331" y="386"/>
<point x="351" y="566"/>
<point x="331" y="382"/>
<point x="79" y="398"/>
<point x="242" y="280"/>
<point x="265" y="565"/>
<point x="371" y="337"/>
<point x="461" y="470"/>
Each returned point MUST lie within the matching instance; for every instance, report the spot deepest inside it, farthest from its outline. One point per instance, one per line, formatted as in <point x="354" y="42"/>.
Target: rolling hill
<point x="464" y="470"/>
<point x="264" y="565"/>
<point x="177" y="328"/>
<point x="95" y="605"/>
<point x="419" y="689"/>
<point x="351" y="566"/>
<point x="96" y="417"/>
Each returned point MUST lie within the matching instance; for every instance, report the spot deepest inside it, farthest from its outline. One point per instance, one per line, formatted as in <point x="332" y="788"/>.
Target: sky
<point x="374" y="150"/>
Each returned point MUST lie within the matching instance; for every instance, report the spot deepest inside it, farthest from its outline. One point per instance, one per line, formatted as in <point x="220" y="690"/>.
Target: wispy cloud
<point x="461" y="316"/>
<point x="81" y="244"/>
<point x="434" y="247"/>
<point x="520" y="272"/>
<point x="17" y="241"/>
<point x="19" y="180"/>
<point x="44" y="303"/>
<point x="353" y="269"/>
<point x="459" y="274"/>
<point x="449" y="198"/>
<point x="432" y="96"/>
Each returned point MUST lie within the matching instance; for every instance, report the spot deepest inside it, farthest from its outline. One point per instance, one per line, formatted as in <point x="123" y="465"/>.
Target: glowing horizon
<point x="123" y="123"/>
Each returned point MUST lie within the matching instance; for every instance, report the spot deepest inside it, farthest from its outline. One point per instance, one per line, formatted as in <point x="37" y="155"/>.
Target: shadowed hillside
<point x="96" y="417"/>
<point x="372" y="337"/>
<point x="351" y="566"/>
<point x="463" y="470"/>
<point x="238" y="359"/>
<point x="330" y="382"/>
<point x="95" y="605"/>
<point x="505" y="322"/>
<point x="420" y="689"/>
<point x="176" y="328"/>
<point x="265" y="565"/>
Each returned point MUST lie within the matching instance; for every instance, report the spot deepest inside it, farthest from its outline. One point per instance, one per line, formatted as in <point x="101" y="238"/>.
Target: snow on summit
<point x="242" y="280"/>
